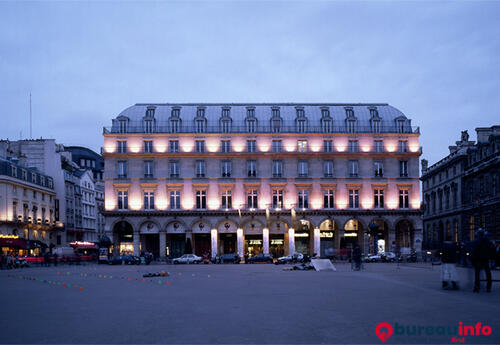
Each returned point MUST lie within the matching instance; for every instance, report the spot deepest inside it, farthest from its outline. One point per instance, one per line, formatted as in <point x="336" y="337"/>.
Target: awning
<point x="13" y="242"/>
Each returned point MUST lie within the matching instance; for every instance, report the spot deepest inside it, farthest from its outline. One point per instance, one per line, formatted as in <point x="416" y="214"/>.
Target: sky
<point x="84" y="62"/>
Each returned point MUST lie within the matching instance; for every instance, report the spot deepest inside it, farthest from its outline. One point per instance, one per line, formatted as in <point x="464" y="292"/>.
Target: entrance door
<point x="177" y="245"/>
<point x="277" y="245"/>
<point x="253" y="244"/>
<point x="202" y="244"/>
<point x="228" y="243"/>
<point x="152" y="244"/>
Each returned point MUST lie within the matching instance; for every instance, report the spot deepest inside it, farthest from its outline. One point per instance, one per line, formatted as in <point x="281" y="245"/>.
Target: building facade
<point x="461" y="192"/>
<point x="271" y="178"/>
<point x="27" y="218"/>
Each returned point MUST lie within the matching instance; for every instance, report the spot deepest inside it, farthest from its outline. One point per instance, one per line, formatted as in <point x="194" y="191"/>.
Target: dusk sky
<point x="84" y="62"/>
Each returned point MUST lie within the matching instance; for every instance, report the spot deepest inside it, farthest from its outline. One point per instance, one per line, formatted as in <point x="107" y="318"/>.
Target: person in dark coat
<point x="46" y="259"/>
<point x="356" y="257"/>
<point x="449" y="260"/>
<point x="482" y="253"/>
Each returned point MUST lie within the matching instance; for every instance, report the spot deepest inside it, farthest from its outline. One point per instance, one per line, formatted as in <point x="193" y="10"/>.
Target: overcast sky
<point x="84" y="62"/>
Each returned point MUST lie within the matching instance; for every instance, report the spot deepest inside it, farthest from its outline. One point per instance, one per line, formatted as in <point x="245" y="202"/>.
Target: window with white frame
<point x="122" y="126"/>
<point x="353" y="145"/>
<point x="175" y="125"/>
<point x="378" y="198"/>
<point x="276" y="146"/>
<point x="200" y="168"/>
<point x="149" y="200"/>
<point x="226" y="200"/>
<point x="175" y="199"/>
<point x="403" y="145"/>
<point x="353" y="168"/>
<point x="122" y="146"/>
<point x="14" y="171"/>
<point x="379" y="168"/>
<point x="251" y="146"/>
<point x="201" y="199"/>
<point x="252" y="168"/>
<point x="277" y="168"/>
<point x="252" y="198"/>
<point x="327" y="146"/>
<point x="404" y="201"/>
<point x="148" y="169"/>
<point x="148" y="126"/>
<point x="403" y="168"/>
<point x="251" y="125"/>
<point x="303" y="198"/>
<point x="376" y="126"/>
<point x="225" y="146"/>
<point x="200" y="146"/>
<point x="401" y="126"/>
<point x="173" y="146"/>
<point x="353" y="198"/>
<point x="122" y="200"/>
<point x="301" y="145"/>
<point x="328" y="198"/>
<point x="303" y="168"/>
<point x="226" y="168"/>
<point x="148" y="146"/>
<point x="174" y="169"/>
<point x="122" y="169"/>
<point x="378" y="146"/>
<point x="328" y="168"/>
<point x="278" y="198"/>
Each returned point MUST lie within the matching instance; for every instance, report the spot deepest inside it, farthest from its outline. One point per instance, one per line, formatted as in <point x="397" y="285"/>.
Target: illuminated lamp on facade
<point x="415" y="203"/>
<point x="390" y="147"/>
<point x="367" y="203"/>
<point x="187" y="203"/>
<point x="340" y="147"/>
<point x="187" y="147"/>
<point x="290" y="147"/>
<point x="316" y="203"/>
<point x="238" y="147"/>
<point x="341" y="203"/>
<point x="135" y="204"/>
<point x="161" y="203"/>
<point x="161" y="148"/>
<point x="213" y="204"/>
<point x="264" y="147"/>
<point x="110" y="147"/>
<point x="135" y="148"/>
<point x="365" y="148"/>
<point x="392" y="203"/>
<point x="109" y="204"/>
<point x="414" y="147"/>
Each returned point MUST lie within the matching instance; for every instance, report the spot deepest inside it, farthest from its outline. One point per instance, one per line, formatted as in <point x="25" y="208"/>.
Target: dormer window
<point x="148" y="125"/>
<point x="175" y="120"/>
<point x="225" y="121"/>
<point x="350" y="120"/>
<point x="401" y="126"/>
<point x="150" y="112"/>
<point x="276" y="120"/>
<point x="301" y="121"/>
<point x="326" y="121"/>
<point x="122" y="126"/>
<point x="375" y="120"/>
<point x="251" y="120"/>
<point x="200" y="121"/>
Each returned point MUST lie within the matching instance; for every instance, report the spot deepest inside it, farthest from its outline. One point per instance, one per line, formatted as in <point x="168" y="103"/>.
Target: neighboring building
<point x="27" y="222"/>
<point x="250" y="178"/>
<point x="461" y="191"/>
<point x="88" y="205"/>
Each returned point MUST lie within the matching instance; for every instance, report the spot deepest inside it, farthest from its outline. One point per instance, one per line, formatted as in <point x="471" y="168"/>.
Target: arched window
<point x="300" y="120"/>
<point x="276" y="121"/>
<point x="225" y="120"/>
<point x="200" y="120"/>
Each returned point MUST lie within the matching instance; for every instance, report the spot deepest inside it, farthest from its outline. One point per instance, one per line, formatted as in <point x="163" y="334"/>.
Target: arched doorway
<point x="123" y="238"/>
<point x="328" y="233"/>
<point x="405" y="234"/>
<point x="278" y="238"/>
<point x="303" y="237"/>
<point x="150" y="238"/>
<point x="353" y="233"/>
<point x="378" y="236"/>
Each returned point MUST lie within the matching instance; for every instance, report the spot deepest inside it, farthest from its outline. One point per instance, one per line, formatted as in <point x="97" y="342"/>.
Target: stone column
<point x="265" y="240"/>
<point x="317" y="244"/>
<point x="137" y="251"/>
<point x="213" y="237"/>
<point x="163" y="244"/>
<point x="291" y="241"/>
<point x="239" y="238"/>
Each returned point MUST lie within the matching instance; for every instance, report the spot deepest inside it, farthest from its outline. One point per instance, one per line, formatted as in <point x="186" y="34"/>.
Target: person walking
<point x="482" y="252"/>
<point x="55" y="259"/>
<point x="448" y="264"/>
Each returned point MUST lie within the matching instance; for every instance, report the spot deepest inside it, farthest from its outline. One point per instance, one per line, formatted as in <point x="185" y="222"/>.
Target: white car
<point x="188" y="259"/>
<point x="290" y="258"/>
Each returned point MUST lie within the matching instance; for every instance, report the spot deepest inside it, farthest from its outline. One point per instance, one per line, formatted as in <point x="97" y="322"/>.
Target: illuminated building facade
<point x="250" y="178"/>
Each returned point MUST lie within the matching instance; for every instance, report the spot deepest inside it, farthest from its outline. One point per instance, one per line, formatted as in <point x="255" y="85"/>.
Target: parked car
<point x="373" y="258"/>
<point x="387" y="257"/>
<point x="288" y="259"/>
<point x="230" y="258"/>
<point x="116" y="260"/>
<point x="261" y="258"/>
<point x="187" y="259"/>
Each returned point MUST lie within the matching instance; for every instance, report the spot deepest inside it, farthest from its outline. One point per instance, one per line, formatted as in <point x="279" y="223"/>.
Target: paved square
<point x="236" y="304"/>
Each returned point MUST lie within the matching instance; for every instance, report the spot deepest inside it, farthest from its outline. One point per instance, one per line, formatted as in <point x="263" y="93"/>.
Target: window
<point x="277" y="198"/>
<point x="200" y="146"/>
<point x="326" y="125"/>
<point x="175" y="199"/>
<point x="123" y="200"/>
<point x="200" y="168"/>
<point x="251" y="146"/>
<point x="122" y="146"/>
<point x="148" y="126"/>
<point x="175" y="125"/>
<point x="33" y="177"/>
<point x="378" y="145"/>
<point x="353" y="198"/>
<point x="328" y="198"/>
<point x="403" y="198"/>
<point x="252" y="198"/>
<point x="276" y="145"/>
<point x="401" y="126"/>
<point x="225" y="146"/>
<point x="378" y="198"/>
<point x="14" y="171"/>
<point x="403" y="168"/>
<point x="252" y="168"/>
<point x="122" y="126"/>
<point x="149" y="200"/>
<point x="327" y="146"/>
<point x="226" y="200"/>
<point x="277" y="168"/>
<point x="173" y="146"/>
<point x="301" y="145"/>
<point x="351" y="126"/>
<point x="303" y="198"/>
<point x="24" y="174"/>
<point x="226" y="168"/>
<point x="403" y="145"/>
<point x="328" y="168"/>
<point x="376" y="126"/>
<point x="148" y="146"/>
<point x="353" y="146"/>
<point x="201" y="199"/>
<point x="251" y="125"/>
<point x="276" y="120"/>
<point x="122" y="169"/>
<point x="174" y="169"/>
<point x="379" y="168"/>
<point x="226" y="125"/>
<point x="353" y="168"/>
<point x="148" y="169"/>
<point x="303" y="168"/>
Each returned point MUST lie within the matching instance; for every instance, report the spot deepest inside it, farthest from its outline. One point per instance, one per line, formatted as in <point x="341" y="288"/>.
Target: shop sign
<point x="277" y="242"/>
<point x="9" y="236"/>
<point x="81" y="244"/>
<point x="255" y="242"/>
<point x="301" y="234"/>
<point x="326" y="234"/>
<point x="351" y="234"/>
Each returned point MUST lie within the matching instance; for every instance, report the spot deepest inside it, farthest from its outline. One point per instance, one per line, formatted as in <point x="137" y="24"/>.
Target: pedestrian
<point x="448" y="264"/>
<point x="46" y="259"/>
<point x="356" y="257"/>
<point x="246" y="257"/>
<point x="2" y="261"/>
<point x="482" y="252"/>
<point x="55" y="259"/>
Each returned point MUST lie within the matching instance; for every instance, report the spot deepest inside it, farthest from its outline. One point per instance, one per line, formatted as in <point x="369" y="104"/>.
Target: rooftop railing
<point x="132" y="128"/>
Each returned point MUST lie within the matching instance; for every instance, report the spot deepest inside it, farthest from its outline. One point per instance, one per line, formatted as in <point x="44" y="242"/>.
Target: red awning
<point x="13" y="242"/>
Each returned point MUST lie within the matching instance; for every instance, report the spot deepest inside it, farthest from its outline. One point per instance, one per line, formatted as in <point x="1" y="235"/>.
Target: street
<point x="237" y="304"/>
